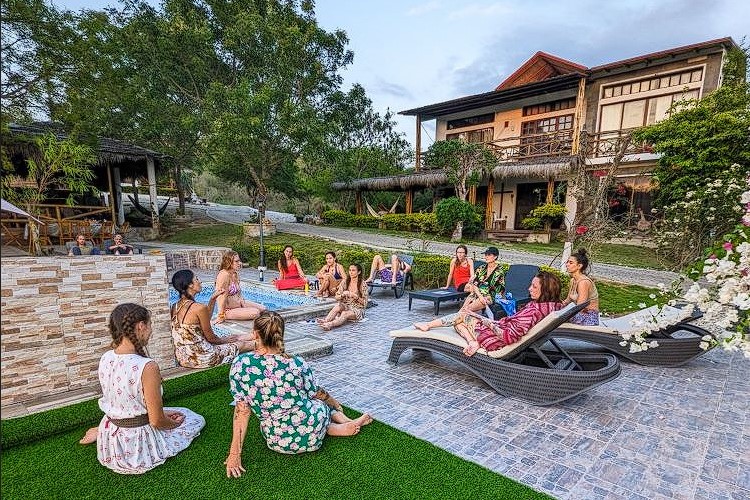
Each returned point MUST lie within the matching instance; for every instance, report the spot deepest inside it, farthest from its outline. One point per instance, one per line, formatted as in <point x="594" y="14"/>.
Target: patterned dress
<point x="512" y="328"/>
<point x="358" y="305"/>
<point x="135" y="450"/>
<point x="280" y="391"/>
<point x="490" y="285"/>
<point x="191" y="348"/>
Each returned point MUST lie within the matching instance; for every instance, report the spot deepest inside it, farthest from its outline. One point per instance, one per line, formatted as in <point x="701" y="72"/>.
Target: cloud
<point x="391" y="89"/>
<point x="424" y="8"/>
<point x="480" y="11"/>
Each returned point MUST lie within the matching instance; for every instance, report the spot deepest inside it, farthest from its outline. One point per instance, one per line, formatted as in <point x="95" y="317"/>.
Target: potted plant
<point x="540" y="221"/>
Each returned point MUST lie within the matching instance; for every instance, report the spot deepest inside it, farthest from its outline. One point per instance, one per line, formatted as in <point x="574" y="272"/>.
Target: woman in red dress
<point x="291" y="274"/>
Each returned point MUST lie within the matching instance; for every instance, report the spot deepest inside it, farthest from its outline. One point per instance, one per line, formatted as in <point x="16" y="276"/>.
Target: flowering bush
<point x="721" y="290"/>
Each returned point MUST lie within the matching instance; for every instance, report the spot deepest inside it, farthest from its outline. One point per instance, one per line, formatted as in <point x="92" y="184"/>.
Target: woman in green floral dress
<point x="294" y="413"/>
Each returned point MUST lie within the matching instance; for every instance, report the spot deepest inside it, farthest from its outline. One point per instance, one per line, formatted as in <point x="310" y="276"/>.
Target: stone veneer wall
<point x="195" y="258"/>
<point x="54" y="319"/>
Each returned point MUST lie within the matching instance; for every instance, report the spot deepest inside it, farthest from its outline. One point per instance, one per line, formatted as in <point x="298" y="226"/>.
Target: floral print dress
<point x="135" y="450"/>
<point x="191" y="348"/>
<point x="280" y="391"/>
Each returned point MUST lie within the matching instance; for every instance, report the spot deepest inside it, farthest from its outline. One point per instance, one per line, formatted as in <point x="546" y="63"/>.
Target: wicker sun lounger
<point x="678" y="343"/>
<point x="521" y="370"/>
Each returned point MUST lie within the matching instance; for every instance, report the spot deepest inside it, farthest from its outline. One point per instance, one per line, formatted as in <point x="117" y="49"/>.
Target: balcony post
<point x="489" y="218"/>
<point x="418" y="140"/>
<point x="579" y="116"/>
<point x="409" y="201"/>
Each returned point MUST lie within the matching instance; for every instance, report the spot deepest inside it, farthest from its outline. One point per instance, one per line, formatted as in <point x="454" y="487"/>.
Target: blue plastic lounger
<point x="678" y="343"/>
<point x="521" y="370"/>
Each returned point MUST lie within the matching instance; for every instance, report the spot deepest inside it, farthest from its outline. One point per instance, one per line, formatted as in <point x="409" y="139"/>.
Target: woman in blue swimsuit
<point x="329" y="276"/>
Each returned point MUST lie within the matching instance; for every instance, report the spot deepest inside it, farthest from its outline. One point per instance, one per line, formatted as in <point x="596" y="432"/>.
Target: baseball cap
<point x="492" y="250"/>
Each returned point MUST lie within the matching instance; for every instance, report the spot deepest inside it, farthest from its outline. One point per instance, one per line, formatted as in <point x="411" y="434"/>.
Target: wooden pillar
<point x="112" y="211"/>
<point x="409" y="201"/>
<point x="550" y="189"/>
<point x="579" y="117"/>
<point x="358" y="203"/>
<point x="488" y="212"/>
<point x="418" y="140"/>
<point x="117" y="196"/>
<point x="472" y="195"/>
<point x="151" y="172"/>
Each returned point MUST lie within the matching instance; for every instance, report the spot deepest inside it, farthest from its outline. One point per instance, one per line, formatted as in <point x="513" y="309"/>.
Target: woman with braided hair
<point x="195" y="343"/>
<point x="295" y="414"/>
<point x="137" y="433"/>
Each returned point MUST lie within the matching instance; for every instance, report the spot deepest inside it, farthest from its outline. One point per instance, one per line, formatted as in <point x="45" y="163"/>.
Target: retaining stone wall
<point x="54" y="319"/>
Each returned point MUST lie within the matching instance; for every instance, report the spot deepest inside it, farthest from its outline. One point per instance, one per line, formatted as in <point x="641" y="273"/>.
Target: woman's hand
<point x="218" y="293"/>
<point x="234" y="465"/>
<point x="176" y="416"/>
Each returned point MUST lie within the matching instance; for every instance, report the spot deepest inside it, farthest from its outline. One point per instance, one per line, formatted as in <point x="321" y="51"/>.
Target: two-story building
<point x="535" y="119"/>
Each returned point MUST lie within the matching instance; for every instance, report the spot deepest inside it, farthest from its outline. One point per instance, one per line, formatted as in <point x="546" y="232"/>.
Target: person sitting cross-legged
<point x="352" y="300"/>
<point x="119" y="247"/>
<point x="393" y="272"/>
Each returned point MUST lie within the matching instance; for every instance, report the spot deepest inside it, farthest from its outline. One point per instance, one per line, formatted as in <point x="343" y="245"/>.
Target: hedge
<point x="420" y="222"/>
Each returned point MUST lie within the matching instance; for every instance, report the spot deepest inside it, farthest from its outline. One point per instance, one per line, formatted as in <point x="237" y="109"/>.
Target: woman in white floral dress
<point x="137" y="433"/>
<point x="281" y="391"/>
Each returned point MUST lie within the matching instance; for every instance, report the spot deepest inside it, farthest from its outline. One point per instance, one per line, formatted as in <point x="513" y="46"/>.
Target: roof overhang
<point x="539" y="169"/>
<point x="422" y="179"/>
<point x="496" y="97"/>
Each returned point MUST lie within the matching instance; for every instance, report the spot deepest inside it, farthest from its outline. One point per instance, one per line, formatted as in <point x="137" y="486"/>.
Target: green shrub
<point x="452" y="210"/>
<point x="341" y="218"/>
<point x="549" y="214"/>
<point x="533" y="223"/>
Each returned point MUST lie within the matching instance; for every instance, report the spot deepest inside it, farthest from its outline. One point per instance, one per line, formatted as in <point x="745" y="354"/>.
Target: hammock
<point x="376" y="214"/>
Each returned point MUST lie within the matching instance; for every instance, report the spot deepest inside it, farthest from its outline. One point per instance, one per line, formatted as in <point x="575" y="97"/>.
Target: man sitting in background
<point x="119" y="247"/>
<point x="82" y="248"/>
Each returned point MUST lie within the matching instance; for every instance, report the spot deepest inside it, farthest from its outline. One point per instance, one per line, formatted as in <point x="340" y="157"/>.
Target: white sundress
<point x="135" y="450"/>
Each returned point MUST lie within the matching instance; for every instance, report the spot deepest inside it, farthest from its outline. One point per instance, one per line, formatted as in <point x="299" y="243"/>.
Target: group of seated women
<point x="137" y="433"/>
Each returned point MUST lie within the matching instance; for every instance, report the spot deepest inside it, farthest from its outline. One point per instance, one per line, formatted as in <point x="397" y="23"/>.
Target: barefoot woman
<point x="231" y="304"/>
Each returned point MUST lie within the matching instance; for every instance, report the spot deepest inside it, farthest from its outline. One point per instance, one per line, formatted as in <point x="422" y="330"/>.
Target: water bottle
<point x="307" y="288"/>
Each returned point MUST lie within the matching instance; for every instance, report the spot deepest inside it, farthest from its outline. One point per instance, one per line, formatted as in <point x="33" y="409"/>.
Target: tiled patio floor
<point x="652" y="433"/>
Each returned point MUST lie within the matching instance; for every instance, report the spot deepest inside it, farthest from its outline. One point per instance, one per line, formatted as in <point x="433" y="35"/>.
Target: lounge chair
<point x="517" y="281"/>
<point x="398" y="288"/>
<point x="678" y="343"/>
<point x="521" y="370"/>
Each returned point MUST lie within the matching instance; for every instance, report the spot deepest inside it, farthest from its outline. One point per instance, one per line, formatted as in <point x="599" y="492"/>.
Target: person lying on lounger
<point x="393" y="272"/>
<point x="479" y="331"/>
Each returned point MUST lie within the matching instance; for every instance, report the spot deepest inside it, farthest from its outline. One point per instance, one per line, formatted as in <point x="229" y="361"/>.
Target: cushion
<point x="633" y="322"/>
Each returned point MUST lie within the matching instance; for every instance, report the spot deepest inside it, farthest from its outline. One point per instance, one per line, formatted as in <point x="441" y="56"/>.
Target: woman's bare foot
<point x="422" y="326"/>
<point x="346" y="429"/>
<point x="320" y="321"/>
<point x="363" y="419"/>
<point x="90" y="436"/>
<point x="472" y="348"/>
<point x="326" y="325"/>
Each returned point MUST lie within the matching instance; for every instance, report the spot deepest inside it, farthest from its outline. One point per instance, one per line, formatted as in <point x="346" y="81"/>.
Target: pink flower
<point x="728" y="246"/>
<point x="581" y="230"/>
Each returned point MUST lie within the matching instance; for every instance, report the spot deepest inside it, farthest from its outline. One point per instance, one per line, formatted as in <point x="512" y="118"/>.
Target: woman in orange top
<point x="462" y="269"/>
<point x="291" y="274"/>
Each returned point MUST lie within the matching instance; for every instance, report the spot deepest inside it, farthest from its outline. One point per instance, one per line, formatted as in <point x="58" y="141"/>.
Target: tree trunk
<point x="458" y="232"/>
<point x="180" y="189"/>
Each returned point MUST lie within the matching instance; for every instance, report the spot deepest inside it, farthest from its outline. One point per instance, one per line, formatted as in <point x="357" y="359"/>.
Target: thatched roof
<point x="537" y="169"/>
<point x="108" y="151"/>
<point x="421" y="179"/>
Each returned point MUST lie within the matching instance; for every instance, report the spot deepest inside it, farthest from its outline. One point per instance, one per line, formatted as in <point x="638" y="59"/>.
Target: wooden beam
<point x="550" y="189"/>
<point x="409" y="201"/>
<point x="579" y="117"/>
<point x="117" y="196"/>
<point x="358" y="203"/>
<point x="472" y="195"/>
<point x="489" y="214"/>
<point x="418" y="140"/>
<point x="151" y="171"/>
<point x="112" y="202"/>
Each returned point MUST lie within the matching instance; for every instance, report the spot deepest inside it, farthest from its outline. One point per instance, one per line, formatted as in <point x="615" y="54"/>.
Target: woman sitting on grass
<point x="582" y="288"/>
<point x="291" y="275"/>
<point x="329" y="276"/>
<point x="352" y="300"/>
<point x="233" y="305"/>
<point x="282" y="392"/>
<point x="137" y="433"/>
<point x="479" y="331"/>
<point x="195" y="343"/>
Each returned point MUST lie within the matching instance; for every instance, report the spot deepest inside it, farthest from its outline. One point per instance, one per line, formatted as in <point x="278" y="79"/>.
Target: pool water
<point x="272" y="299"/>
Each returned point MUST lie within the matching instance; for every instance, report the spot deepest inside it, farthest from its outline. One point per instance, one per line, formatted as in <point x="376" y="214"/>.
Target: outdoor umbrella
<point x="10" y="207"/>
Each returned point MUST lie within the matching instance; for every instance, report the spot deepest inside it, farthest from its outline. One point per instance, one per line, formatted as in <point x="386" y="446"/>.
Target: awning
<point x="10" y="207"/>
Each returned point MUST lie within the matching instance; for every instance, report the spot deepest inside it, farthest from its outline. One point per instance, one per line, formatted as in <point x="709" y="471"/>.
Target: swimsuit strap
<point x="186" y="311"/>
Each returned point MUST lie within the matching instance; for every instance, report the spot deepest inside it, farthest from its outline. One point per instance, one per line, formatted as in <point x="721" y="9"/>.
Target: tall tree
<point x="463" y="163"/>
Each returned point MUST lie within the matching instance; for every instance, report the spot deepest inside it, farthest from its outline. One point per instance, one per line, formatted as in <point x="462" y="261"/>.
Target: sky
<point x="409" y="54"/>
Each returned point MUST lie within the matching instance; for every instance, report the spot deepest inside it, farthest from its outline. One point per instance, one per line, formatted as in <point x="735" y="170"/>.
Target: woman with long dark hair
<point x="195" y="343"/>
<point x="582" y="289"/>
<point x="291" y="275"/>
<point x="352" y="300"/>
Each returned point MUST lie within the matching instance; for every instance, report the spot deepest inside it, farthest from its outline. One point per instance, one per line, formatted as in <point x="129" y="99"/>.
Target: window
<point x="548" y="107"/>
<point x="547" y="125"/>
<point x="481" y="135"/>
<point x="471" y="121"/>
<point x="632" y="114"/>
<point x="663" y="82"/>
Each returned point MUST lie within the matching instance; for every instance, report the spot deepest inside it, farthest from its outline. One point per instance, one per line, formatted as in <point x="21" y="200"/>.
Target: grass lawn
<point x="381" y="462"/>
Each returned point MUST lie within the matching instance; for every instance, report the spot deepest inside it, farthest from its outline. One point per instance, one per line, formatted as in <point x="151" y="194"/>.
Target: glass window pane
<point x="626" y="89"/>
<point x="674" y="80"/>
<point x="633" y="114"/>
<point x="684" y="78"/>
<point x="654" y="84"/>
<point x="608" y="92"/>
<point x="657" y="108"/>
<point x="646" y="86"/>
<point x="696" y="75"/>
<point x="664" y="82"/>
<point x="617" y="91"/>
<point x="611" y="116"/>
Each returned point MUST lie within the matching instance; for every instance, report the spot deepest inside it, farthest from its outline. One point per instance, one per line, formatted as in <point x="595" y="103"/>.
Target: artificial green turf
<point x="380" y="462"/>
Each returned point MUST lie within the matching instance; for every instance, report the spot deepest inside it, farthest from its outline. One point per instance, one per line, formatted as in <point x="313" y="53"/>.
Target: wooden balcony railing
<point x="606" y="144"/>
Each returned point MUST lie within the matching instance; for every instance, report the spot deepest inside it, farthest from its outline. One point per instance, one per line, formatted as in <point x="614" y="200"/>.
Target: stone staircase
<point x="507" y="235"/>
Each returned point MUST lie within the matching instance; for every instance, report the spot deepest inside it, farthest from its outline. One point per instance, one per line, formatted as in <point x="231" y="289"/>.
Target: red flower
<point x="581" y="230"/>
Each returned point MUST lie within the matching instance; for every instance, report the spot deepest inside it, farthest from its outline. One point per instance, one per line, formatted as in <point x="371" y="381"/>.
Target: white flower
<point x="642" y="305"/>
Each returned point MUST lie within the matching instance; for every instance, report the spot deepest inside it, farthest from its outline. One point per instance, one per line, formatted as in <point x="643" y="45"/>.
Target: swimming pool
<point x="272" y="299"/>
